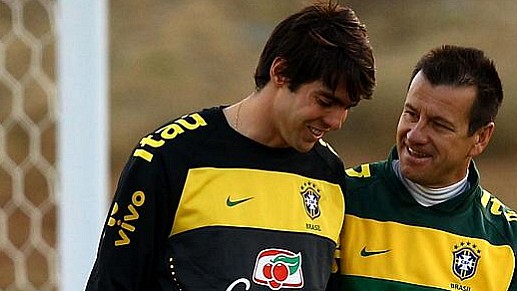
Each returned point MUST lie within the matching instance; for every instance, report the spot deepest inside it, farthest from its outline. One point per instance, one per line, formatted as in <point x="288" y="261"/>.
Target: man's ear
<point x="276" y="72"/>
<point x="482" y="138"/>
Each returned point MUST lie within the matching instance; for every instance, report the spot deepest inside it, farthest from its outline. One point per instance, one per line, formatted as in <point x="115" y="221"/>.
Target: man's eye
<point x="410" y="114"/>
<point x="443" y="126"/>
<point x="324" y="102"/>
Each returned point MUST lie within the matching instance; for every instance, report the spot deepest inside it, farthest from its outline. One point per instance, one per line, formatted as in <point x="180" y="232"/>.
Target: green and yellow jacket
<point x="391" y="242"/>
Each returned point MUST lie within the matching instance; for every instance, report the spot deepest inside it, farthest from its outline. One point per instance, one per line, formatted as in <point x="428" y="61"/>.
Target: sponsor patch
<point x="277" y="268"/>
<point x="124" y="223"/>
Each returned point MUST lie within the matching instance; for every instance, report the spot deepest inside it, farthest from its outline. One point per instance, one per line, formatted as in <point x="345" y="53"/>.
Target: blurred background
<point x="171" y="57"/>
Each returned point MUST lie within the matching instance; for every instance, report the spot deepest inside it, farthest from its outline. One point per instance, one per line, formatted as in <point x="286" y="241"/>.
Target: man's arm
<point x="134" y="231"/>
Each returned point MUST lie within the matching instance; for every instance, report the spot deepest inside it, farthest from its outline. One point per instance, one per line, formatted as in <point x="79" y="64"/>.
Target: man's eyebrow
<point x="409" y="106"/>
<point x="327" y="93"/>
<point x="331" y="95"/>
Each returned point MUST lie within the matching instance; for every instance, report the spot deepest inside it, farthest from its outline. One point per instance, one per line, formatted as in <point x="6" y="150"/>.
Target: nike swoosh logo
<point x="365" y="253"/>
<point x="232" y="203"/>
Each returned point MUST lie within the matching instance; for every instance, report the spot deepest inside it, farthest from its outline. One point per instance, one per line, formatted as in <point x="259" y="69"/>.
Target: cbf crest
<point x="465" y="260"/>
<point x="311" y="199"/>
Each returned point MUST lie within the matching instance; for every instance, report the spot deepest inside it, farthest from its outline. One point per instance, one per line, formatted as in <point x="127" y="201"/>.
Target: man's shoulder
<point x="329" y="156"/>
<point x="366" y="175"/>
<point x="496" y="211"/>
<point x="179" y="133"/>
<point x="324" y="149"/>
<point x="366" y="171"/>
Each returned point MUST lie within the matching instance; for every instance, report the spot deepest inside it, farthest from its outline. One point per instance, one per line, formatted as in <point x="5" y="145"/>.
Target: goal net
<point x="52" y="194"/>
<point x="27" y="146"/>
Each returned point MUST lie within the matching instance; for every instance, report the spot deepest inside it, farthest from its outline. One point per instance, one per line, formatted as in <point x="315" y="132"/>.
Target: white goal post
<point x="82" y="136"/>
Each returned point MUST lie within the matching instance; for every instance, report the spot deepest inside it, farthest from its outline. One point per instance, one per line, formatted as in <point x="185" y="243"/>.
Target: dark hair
<point x="325" y="42"/>
<point x="463" y="66"/>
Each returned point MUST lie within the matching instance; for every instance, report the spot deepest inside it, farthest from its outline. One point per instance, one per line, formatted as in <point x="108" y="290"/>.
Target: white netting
<point x="27" y="145"/>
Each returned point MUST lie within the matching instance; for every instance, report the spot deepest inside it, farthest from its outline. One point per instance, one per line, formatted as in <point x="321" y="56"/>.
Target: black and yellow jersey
<point x="390" y="242"/>
<point x="201" y="207"/>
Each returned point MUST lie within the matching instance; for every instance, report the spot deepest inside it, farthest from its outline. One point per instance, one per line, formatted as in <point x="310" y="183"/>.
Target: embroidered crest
<point x="311" y="199"/>
<point x="465" y="260"/>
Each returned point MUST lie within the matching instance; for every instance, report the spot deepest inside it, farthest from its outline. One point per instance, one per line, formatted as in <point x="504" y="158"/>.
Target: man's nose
<point x="336" y="117"/>
<point x="418" y="132"/>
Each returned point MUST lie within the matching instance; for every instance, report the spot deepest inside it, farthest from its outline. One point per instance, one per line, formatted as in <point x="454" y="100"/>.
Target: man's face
<point x="306" y="115"/>
<point x="432" y="134"/>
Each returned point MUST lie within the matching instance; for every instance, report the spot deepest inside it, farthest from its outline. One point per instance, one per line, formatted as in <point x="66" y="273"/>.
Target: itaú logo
<point x="168" y="132"/>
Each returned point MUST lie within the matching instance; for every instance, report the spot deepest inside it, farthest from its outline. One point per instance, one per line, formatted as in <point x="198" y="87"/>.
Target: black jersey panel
<point x="267" y="260"/>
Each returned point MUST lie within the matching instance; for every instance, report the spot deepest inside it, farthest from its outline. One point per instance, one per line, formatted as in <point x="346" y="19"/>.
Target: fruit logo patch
<point x="277" y="268"/>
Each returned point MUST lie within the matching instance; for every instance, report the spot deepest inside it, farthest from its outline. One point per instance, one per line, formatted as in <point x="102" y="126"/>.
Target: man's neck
<point x="427" y="196"/>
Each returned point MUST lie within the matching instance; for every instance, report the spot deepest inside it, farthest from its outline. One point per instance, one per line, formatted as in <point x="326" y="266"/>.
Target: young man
<point x="245" y="197"/>
<point x="420" y="220"/>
